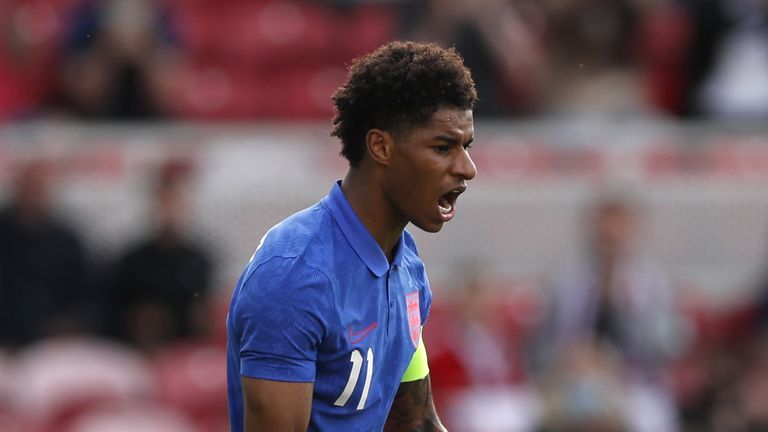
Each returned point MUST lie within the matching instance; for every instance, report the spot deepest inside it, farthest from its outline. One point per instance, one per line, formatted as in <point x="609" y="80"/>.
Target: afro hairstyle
<point x="395" y="88"/>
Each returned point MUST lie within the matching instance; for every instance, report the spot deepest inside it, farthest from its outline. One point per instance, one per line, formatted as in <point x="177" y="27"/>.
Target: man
<point x="611" y="326"/>
<point x="43" y="269"/>
<point x="616" y="294"/>
<point x="162" y="283"/>
<point x="324" y="329"/>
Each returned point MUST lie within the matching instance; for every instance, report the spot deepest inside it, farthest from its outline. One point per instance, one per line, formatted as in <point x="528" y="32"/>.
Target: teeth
<point x="445" y="206"/>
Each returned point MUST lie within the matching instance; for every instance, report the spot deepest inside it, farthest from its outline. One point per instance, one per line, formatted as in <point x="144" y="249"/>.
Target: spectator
<point x="584" y="393"/>
<point x="161" y="285"/>
<point x="473" y="358"/>
<point x="615" y="295"/>
<point x="615" y="300"/>
<point x="120" y="61"/>
<point x="592" y="57"/>
<point x="733" y="390"/>
<point x="473" y="334"/>
<point x="42" y="265"/>
<point x="500" y="40"/>
<point x="728" y="59"/>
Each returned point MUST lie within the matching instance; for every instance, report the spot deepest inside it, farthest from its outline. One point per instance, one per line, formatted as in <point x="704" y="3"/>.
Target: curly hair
<point x="395" y="88"/>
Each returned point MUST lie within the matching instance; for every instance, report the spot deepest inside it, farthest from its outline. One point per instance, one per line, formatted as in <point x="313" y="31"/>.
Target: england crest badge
<point x="414" y="316"/>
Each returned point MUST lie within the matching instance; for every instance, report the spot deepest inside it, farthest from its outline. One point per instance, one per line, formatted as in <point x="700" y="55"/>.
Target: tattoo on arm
<point x="413" y="409"/>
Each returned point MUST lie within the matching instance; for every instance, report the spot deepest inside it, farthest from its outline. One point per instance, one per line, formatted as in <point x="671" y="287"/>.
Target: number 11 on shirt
<point x="354" y="376"/>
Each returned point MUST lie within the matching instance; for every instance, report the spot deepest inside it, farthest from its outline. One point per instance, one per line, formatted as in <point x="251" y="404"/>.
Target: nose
<point x="464" y="167"/>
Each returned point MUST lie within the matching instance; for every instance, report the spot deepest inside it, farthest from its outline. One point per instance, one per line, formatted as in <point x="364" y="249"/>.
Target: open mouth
<point x="447" y="203"/>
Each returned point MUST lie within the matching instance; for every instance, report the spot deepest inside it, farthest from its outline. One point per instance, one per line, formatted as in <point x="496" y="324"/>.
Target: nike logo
<point x="355" y="337"/>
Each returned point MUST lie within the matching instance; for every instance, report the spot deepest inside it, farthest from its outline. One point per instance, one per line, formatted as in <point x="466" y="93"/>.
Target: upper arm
<point x="281" y="317"/>
<point x="413" y="409"/>
<point x="276" y="405"/>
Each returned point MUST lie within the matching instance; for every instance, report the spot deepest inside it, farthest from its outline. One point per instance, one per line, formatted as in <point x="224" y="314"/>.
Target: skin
<point x="276" y="406"/>
<point x="613" y="232"/>
<point x="613" y="227"/>
<point x="402" y="177"/>
<point x="413" y="409"/>
<point x="31" y="194"/>
<point x="400" y="180"/>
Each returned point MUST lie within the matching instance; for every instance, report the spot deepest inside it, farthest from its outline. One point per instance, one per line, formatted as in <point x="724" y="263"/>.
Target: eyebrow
<point x="451" y="140"/>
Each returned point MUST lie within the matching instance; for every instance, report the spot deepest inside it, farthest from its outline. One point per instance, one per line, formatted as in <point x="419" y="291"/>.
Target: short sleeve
<point x="282" y="314"/>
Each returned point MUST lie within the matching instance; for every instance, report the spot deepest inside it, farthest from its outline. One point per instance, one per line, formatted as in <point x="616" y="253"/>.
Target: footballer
<point x="324" y="327"/>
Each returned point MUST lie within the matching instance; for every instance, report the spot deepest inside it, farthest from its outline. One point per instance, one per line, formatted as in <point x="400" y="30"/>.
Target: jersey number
<point x="357" y="366"/>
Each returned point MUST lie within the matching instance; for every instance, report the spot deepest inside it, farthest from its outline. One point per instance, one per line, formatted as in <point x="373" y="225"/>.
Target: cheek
<point x="410" y="185"/>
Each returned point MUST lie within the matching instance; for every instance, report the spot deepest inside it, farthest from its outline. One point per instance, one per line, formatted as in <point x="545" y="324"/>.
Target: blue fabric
<point x="317" y="289"/>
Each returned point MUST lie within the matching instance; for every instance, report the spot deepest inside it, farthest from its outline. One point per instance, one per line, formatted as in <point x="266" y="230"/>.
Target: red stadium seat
<point x="9" y="420"/>
<point x="132" y="418"/>
<point x="265" y="34"/>
<point x="363" y="29"/>
<point x="303" y="93"/>
<point x="274" y="59"/>
<point x="234" y="92"/>
<point x="31" y="37"/>
<point x="665" y="39"/>
<point x="56" y="381"/>
<point x="209" y="91"/>
<point x="192" y="379"/>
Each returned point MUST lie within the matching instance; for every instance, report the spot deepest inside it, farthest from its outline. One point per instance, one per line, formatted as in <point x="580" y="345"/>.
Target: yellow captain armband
<point x="419" y="367"/>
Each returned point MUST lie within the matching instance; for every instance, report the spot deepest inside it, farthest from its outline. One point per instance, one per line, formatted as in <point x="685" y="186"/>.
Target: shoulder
<point x="282" y="292"/>
<point x="64" y="236"/>
<point x="296" y="235"/>
<point x="295" y="246"/>
<point x="139" y="254"/>
<point x="285" y="277"/>
<point x="194" y="252"/>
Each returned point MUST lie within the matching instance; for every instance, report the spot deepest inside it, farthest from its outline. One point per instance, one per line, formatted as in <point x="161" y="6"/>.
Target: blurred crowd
<point x="612" y="345"/>
<point x="609" y="343"/>
<point x="79" y="333"/>
<point x="268" y="59"/>
<point x="134" y="341"/>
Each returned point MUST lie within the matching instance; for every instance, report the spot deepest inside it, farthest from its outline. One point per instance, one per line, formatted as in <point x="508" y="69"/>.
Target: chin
<point x="429" y="227"/>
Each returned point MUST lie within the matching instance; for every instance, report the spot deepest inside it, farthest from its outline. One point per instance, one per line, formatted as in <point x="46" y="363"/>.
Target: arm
<point x="276" y="405"/>
<point x="276" y="326"/>
<point x="413" y="409"/>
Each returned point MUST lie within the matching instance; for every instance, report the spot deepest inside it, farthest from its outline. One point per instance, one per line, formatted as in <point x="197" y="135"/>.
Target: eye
<point x="467" y="146"/>
<point x="442" y="149"/>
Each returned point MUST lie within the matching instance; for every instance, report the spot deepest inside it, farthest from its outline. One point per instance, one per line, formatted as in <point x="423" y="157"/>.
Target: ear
<point x="380" y="145"/>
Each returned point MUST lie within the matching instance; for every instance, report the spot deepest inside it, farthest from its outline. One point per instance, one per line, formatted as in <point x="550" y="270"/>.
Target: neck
<point x="374" y="209"/>
<point x="167" y="236"/>
<point x="29" y="216"/>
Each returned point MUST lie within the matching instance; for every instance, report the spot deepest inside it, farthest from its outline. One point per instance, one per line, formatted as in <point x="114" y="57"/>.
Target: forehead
<point x="459" y="120"/>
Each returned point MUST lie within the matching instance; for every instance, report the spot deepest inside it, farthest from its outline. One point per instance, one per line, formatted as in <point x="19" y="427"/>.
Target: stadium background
<point x="237" y="93"/>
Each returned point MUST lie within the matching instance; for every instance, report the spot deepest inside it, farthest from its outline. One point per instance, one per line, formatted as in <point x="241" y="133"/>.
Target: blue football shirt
<point x="319" y="302"/>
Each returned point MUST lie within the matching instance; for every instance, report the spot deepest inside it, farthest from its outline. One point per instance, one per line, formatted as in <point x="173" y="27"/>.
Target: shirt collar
<point x="358" y="235"/>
